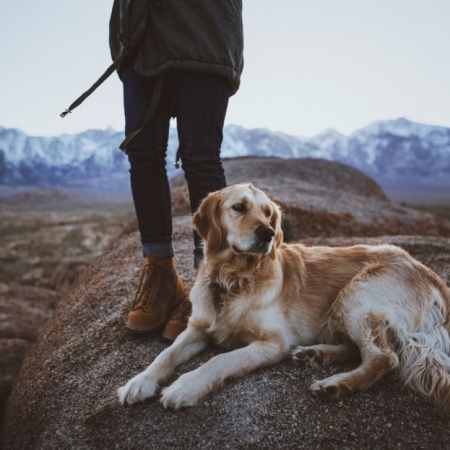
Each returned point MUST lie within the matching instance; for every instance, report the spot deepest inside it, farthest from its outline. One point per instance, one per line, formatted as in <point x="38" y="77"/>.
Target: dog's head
<point x="241" y="218"/>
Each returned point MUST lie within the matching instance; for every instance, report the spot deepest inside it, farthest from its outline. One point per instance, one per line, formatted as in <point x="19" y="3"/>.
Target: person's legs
<point x="202" y="101"/>
<point x="160" y="290"/>
<point x="147" y="157"/>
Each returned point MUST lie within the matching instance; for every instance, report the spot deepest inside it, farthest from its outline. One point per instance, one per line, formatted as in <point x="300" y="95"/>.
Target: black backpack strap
<point x="150" y="112"/>
<point x="114" y="66"/>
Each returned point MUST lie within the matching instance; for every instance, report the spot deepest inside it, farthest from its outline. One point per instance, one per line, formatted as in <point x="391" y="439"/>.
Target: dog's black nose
<point x="264" y="233"/>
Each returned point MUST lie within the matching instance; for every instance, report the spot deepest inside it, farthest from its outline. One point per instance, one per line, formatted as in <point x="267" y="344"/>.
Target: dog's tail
<point x="424" y="356"/>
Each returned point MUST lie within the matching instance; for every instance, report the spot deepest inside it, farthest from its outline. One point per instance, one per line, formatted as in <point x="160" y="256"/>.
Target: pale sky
<point x="310" y="65"/>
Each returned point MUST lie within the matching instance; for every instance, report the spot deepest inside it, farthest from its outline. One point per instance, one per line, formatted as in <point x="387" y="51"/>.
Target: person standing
<point x="184" y="59"/>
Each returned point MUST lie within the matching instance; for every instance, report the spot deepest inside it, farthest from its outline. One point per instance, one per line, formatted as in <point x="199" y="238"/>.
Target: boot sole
<point x="169" y="338"/>
<point x="145" y="330"/>
<point x="158" y="326"/>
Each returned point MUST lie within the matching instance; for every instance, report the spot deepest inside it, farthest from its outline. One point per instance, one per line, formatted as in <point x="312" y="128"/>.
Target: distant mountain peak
<point x="329" y="132"/>
<point x="390" y="151"/>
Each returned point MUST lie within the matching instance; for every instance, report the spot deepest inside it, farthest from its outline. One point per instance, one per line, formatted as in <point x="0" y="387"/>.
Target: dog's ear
<point x="207" y="221"/>
<point x="275" y="223"/>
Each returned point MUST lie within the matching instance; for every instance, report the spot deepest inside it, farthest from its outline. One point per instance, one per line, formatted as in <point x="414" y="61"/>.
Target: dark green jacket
<point x="203" y="35"/>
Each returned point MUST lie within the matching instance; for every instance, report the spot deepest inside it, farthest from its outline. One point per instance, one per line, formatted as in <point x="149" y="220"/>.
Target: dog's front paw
<point x="137" y="389"/>
<point x="182" y="393"/>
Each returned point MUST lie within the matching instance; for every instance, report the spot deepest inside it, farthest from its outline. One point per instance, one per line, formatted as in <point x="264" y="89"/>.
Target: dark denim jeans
<point x="199" y="101"/>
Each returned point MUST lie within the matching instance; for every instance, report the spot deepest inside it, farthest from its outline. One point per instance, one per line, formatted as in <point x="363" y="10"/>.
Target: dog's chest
<point x="231" y="306"/>
<point x="236" y="318"/>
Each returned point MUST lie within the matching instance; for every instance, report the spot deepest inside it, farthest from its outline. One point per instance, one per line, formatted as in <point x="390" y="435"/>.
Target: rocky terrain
<point x="324" y="198"/>
<point x="47" y="238"/>
<point x="24" y="310"/>
<point x="65" y="394"/>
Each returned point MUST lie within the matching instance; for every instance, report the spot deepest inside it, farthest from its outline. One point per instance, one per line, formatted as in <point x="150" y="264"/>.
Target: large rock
<point x="65" y="396"/>
<point x="323" y="198"/>
<point x="24" y="310"/>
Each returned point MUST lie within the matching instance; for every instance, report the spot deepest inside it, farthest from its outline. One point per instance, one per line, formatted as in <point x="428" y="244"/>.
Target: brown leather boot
<point x="178" y="322"/>
<point x="159" y="293"/>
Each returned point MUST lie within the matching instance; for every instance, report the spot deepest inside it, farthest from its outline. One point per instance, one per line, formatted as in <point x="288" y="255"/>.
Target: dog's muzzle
<point x="260" y="243"/>
<point x="264" y="234"/>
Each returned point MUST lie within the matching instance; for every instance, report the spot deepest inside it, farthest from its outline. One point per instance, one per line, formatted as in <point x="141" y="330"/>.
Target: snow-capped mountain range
<point x="394" y="152"/>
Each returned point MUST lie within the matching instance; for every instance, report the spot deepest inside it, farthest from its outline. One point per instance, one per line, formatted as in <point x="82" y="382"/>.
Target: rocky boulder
<point x="65" y="396"/>
<point x="24" y="310"/>
<point x="323" y="198"/>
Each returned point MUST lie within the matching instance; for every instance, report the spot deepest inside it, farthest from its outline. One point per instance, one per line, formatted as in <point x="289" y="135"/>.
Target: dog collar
<point x="218" y="295"/>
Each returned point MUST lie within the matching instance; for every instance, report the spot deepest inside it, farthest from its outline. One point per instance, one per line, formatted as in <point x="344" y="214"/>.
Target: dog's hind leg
<point x="362" y="313"/>
<point x="369" y="332"/>
<point x="325" y="354"/>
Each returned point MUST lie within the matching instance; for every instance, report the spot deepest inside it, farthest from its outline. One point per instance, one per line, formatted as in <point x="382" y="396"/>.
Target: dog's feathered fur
<point x="266" y="299"/>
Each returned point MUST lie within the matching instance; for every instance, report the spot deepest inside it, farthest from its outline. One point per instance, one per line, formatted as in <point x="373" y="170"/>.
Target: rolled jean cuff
<point x="165" y="249"/>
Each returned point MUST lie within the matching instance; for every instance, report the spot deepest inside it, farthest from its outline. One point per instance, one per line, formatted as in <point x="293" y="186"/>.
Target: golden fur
<point x="266" y="300"/>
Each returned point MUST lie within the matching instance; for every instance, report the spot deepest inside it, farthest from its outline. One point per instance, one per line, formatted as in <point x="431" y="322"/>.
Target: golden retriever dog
<point x="265" y="300"/>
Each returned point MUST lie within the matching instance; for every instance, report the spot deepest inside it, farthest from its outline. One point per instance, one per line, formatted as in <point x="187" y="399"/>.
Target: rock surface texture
<point x="24" y="310"/>
<point x="323" y="198"/>
<point x="65" y="396"/>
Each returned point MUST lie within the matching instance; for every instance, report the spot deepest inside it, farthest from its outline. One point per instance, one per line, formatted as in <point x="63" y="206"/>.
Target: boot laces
<point x="148" y="286"/>
<point x="183" y="312"/>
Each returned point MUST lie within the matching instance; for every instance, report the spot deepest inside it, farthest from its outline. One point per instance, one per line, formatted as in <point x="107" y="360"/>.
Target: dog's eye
<point x="267" y="212"/>
<point x="239" y="207"/>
